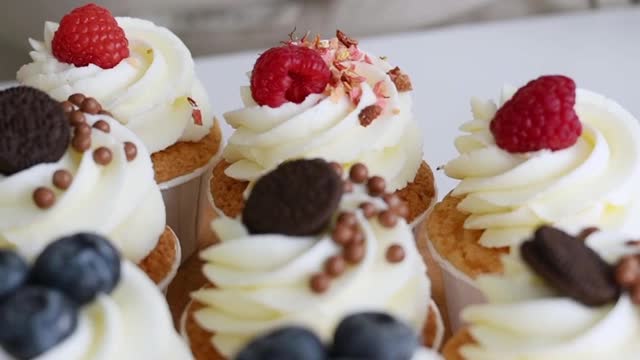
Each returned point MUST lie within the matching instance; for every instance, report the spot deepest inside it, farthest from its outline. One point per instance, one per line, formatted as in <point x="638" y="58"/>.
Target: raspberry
<point x="539" y="116"/>
<point x="90" y="35"/>
<point x="288" y="73"/>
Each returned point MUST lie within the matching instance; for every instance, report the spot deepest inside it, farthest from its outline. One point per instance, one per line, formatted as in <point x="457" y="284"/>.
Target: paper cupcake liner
<point x="460" y="290"/>
<point x="185" y="202"/>
<point x="164" y="284"/>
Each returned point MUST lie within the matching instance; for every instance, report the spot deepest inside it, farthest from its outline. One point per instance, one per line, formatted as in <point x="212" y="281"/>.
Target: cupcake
<point x="67" y="168"/>
<point x="560" y="297"/>
<point x="324" y="99"/>
<point x="546" y="154"/>
<point x="310" y="250"/>
<point x="78" y="301"/>
<point x="144" y="75"/>
<point x="371" y="335"/>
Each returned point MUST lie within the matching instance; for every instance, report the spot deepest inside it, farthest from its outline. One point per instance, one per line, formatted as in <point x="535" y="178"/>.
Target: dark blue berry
<point x="291" y="343"/>
<point x="13" y="272"/>
<point x="82" y="266"/>
<point x="374" y="336"/>
<point x="34" y="320"/>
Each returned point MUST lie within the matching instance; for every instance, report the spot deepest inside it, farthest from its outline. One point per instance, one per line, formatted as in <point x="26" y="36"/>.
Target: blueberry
<point x="374" y="336"/>
<point x="34" y="320"/>
<point x="290" y="343"/>
<point x="13" y="272"/>
<point x="82" y="266"/>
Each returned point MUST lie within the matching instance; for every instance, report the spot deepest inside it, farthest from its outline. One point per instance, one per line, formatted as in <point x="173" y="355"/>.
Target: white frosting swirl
<point x="593" y="182"/>
<point x="327" y="126"/>
<point x="262" y="281"/>
<point x="148" y="92"/>
<point x="131" y="323"/>
<point x="526" y="319"/>
<point x="120" y="200"/>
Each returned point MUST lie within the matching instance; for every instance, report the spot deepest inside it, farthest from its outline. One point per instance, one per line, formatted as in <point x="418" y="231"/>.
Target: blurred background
<point x="220" y="26"/>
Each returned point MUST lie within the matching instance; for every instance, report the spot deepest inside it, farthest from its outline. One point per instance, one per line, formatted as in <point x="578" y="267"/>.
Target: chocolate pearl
<point x="342" y="234"/>
<point x="392" y="200"/>
<point x="359" y="173"/>
<point x="376" y="186"/>
<point x="320" y="283"/>
<point x="635" y="294"/>
<point x="584" y="234"/>
<point x="91" y="106"/>
<point x="67" y="106"/>
<point x="347" y="218"/>
<point x="102" y="155"/>
<point x="77" y="99"/>
<point x="395" y="254"/>
<point x="388" y="218"/>
<point x="105" y="112"/>
<point x="628" y="271"/>
<point x="368" y="209"/>
<point x="76" y="117"/>
<point x="335" y="265"/>
<point x="358" y="237"/>
<point x="102" y="126"/>
<point x="337" y="168"/>
<point x="354" y="253"/>
<point x="402" y="210"/>
<point x="62" y="179"/>
<point x="44" y="197"/>
<point x="633" y="243"/>
<point x="347" y="187"/>
<point x="82" y="130"/>
<point x="130" y="150"/>
<point x="81" y="143"/>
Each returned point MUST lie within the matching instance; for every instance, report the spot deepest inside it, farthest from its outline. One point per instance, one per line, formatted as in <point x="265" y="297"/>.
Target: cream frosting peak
<point x="149" y="92"/>
<point x="327" y="125"/>
<point x="258" y="293"/>
<point x="589" y="183"/>
<point x="120" y="200"/>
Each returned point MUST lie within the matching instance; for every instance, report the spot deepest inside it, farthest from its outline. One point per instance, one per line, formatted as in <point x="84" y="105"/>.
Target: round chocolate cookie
<point x="298" y="198"/>
<point x="33" y="129"/>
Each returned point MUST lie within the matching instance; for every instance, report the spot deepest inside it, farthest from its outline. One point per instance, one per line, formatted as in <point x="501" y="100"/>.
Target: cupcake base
<point x="451" y="350"/>
<point x="202" y="348"/>
<point x="227" y="193"/>
<point x="161" y="265"/>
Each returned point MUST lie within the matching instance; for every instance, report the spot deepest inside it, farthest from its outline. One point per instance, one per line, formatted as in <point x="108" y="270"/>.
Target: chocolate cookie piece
<point x="33" y="129"/>
<point x="298" y="198"/>
<point x="571" y="267"/>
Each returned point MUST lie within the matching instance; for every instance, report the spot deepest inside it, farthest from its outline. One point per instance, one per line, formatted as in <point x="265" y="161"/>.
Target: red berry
<point x="90" y="35"/>
<point x="539" y="116"/>
<point x="288" y="73"/>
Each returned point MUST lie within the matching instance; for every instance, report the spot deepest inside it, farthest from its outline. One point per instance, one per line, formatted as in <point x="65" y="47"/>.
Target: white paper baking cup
<point x="460" y="290"/>
<point x="163" y="285"/>
<point x="185" y="198"/>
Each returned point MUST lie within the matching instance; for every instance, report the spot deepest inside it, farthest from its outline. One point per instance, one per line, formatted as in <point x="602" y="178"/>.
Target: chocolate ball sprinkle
<point x="347" y="187"/>
<point x="44" y="197"/>
<point x="67" y="106"/>
<point x="388" y="218"/>
<point x="81" y="143"/>
<point x="368" y="209"/>
<point x="354" y="253"/>
<point x="130" y="150"/>
<point x="105" y="112"/>
<point x="320" y="283"/>
<point x="628" y="271"/>
<point x="376" y="186"/>
<point x="62" y="179"/>
<point x="347" y="218"/>
<point x="342" y="234"/>
<point x="77" y="99"/>
<point x="102" y="155"/>
<point x="358" y="237"/>
<point x="395" y="253"/>
<point x="102" y="126"/>
<point x="76" y="117"/>
<point x="635" y="294"/>
<point x="82" y="130"/>
<point x="335" y="266"/>
<point x="359" y="173"/>
<point x="91" y="106"/>
<point x="337" y="167"/>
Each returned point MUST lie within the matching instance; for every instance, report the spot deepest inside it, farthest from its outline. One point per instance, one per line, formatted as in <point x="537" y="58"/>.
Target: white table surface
<point x="600" y="50"/>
